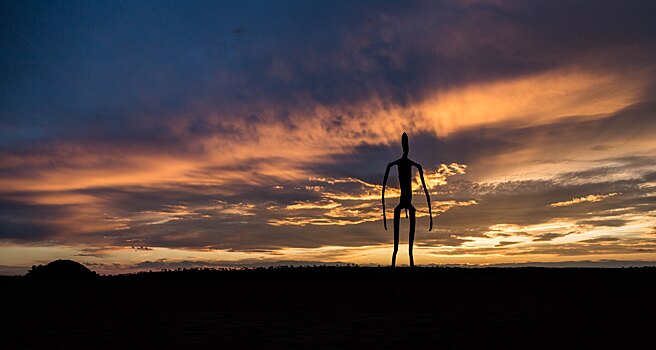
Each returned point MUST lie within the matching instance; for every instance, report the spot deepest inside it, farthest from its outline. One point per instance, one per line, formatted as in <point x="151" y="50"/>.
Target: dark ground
<point x="336" y="307"/>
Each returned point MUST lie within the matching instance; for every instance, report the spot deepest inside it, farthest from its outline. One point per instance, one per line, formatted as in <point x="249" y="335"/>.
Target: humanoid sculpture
<point x="405" y="165"/>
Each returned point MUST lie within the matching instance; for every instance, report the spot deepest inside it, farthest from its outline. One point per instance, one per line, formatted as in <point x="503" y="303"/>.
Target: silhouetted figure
<point x="405" y="182"/>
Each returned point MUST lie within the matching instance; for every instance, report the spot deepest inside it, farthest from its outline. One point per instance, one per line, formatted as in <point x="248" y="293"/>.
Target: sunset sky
<point x="161" y="134"/>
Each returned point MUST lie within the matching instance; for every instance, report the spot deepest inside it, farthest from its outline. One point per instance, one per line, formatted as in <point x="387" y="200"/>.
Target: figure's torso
<point x="405" y="179"/>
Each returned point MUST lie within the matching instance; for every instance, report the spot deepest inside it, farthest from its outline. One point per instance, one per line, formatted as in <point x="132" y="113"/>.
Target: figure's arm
<point x="385" y="183"/>
<point x="423" y="183"/>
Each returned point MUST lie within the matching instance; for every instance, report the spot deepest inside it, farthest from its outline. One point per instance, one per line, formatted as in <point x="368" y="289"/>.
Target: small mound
<point x="61" y="270"/>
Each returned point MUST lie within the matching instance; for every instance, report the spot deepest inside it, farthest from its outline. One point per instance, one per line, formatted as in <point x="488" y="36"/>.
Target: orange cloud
<point x="589" y="198"/>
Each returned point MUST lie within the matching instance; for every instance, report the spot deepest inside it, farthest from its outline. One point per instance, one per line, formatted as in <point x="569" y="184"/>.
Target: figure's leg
<point x="411" y="238"/>
<point x="397" y="218"/>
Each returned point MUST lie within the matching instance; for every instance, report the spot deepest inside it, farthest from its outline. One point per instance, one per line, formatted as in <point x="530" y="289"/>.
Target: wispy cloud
<point x="589" y="198"/>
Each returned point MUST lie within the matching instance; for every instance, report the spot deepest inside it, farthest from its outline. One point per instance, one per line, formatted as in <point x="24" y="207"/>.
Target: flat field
<point x="335" y="307"/>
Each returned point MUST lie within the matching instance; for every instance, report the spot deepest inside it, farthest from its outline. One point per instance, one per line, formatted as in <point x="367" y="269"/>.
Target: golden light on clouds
<point x="527" y="100"/>
<point x="533" y="99"/>
<point x="589" y="198"/>
<point x="351" y="201"/>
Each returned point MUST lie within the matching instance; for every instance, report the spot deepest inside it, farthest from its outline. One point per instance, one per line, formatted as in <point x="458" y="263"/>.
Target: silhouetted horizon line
<point x="156" y="266"/>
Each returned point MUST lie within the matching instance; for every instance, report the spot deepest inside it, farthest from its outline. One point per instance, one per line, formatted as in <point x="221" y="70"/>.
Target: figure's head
<point x="404" y="143"/>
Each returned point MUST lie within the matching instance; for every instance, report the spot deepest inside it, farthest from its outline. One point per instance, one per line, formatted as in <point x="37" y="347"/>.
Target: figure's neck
<point x="405" y="155"/>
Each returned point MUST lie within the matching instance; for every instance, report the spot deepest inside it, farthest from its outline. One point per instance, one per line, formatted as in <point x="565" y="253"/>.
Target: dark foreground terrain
<point x="335" y="307"/>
